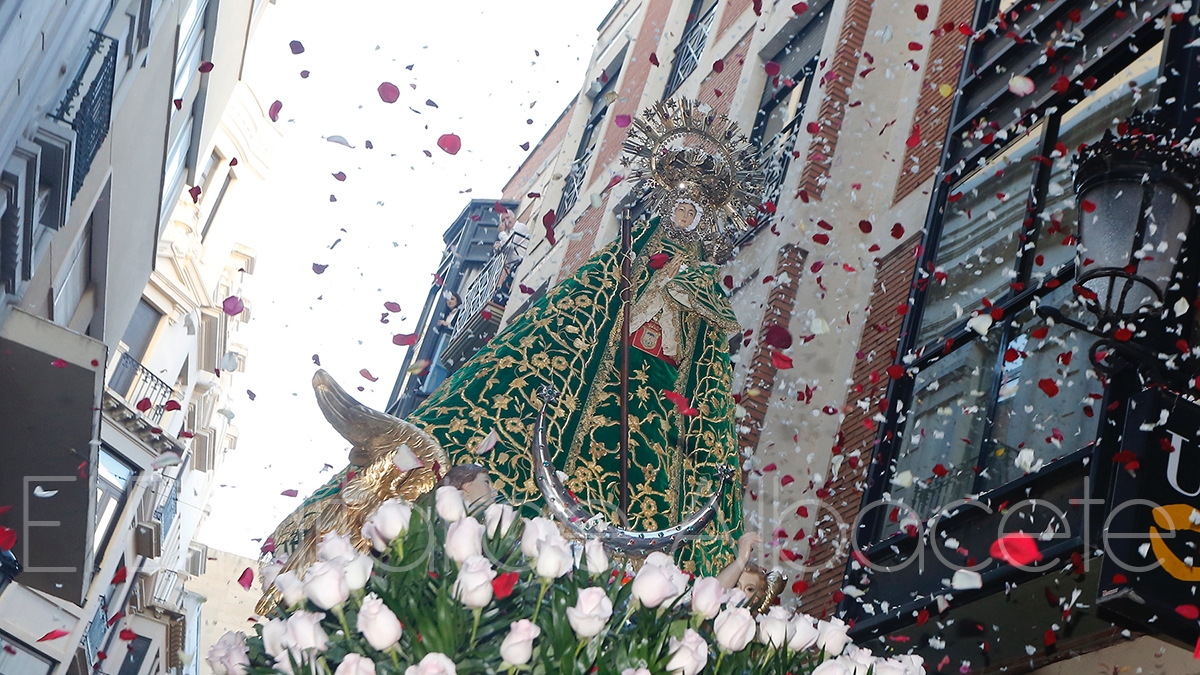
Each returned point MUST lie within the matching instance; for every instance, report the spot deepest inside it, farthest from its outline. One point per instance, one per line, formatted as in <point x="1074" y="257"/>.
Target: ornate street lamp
<point x="1137" y="198"/>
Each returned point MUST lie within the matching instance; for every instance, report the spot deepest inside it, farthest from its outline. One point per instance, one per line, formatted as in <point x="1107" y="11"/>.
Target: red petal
<point x="8" y="538"/>
<point x="289" y="493"/>
<point x="503" y="584"/>
<point x="1017" y="548"/>
<point x="914" y="139"/>
<point x="786" y="480"/>
<point x="654" y="58"/>
<point x="777" y="336"/>
<point x="718" y="66"/>
<point x="205" y="66"/>
<point x="622" y="120"/>
<point x="940" y="470"/>
<point x="895" y="371"/>
<point x="247" y="578"/>
<point x="53" y="635"/>
<point x="821" y="238"/>
<point x="450" y="143"/>
<point x="389" y="93"/>
<point x="127" y="635"/>
<point x="897" y="231"/>
<point x="1049" y="638"/>
<point x="274" y="111"/>
<point x="367" y="374"/>
<point x="1189" y="612"/>
<point x="58" y="363"/>
<point x="772" y="68"/>
<point x="1041" y="333"/>
<point x="922" y="615"/>
<point x="172" y="405"/>
<point x="404" y="339"/>
<point x="1088" y="206"/>
<point x="1061" y="85"/>
<point x="922" y="12"/>
<point x="144" y="405"/>
<point x="233" y="305"/>
<point x="800" y="8"/>
<point x="658" y="260"/>
<point x="1048" y="385"/>
<point x="781" y="361"/>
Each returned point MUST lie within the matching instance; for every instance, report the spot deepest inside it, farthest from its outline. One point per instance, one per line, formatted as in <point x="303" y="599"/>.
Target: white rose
<point x="688" y="655"/>
<point x="913" y="664"/>
<point x="636" y="671"/>
<point x="355" y="664"/>
<point x="554" y="559"/>
<point x="592" y="553"/>
<point x="334" y="547"/>
<point x="434" y="663"/>
<point x="473" y="587"/>
<point x="269" y="573"/>
<point x="228" y="655"/>
<point x="378" y="624"/>
<point x="499" y="518"/>
<point x="889" y="667"/>
<point x="325" y="585"/>
<point x="389" y="521"/>
<point x="591" y="612"/>
<point x="734" y="629"/>
<point x="302" y="636"/>
<point x="291" y="587"/>
<point x="655" y="585"/>
<point x="707" y="594"/>
<point x="774" y="628"/>
<point x="831" y="667"/>
<point x="274" y="637"/>
<point x="464" y="539"/>
<point x="358" y="572"/>
<point x="860" y="661"/>
<point x="450" y="504"/>
<point x="831" y="636"/>
<point x="804" y="633"/>
<point x="538" y="530"/>
<point x="517" y="648"/>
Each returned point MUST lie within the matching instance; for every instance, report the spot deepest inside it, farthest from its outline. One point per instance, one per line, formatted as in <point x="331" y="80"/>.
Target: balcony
<point x="87" y="105"/>
<point x="142" y="388"/>
<point x="93" y="638"/>
<point x="482" y="308"/>
<point x="687" y="54"/>
<point x="574" y="183"/>
<point x="165" y="511"/>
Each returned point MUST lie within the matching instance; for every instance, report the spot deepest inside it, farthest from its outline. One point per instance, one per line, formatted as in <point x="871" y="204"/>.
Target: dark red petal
<point x="389" y="93"/>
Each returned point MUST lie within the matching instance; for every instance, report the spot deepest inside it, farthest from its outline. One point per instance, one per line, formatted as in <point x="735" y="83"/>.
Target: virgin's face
<point x="684" y="216"/>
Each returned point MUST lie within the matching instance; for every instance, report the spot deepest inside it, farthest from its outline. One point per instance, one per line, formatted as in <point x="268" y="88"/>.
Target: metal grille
<point x="97" y="630"/>
<point x="574" y="183"/>
<point x="87" y="105"/>
<point x="483" y="289"/>
<point x="776" y="157"/>
<point x="168" y="589"/>
<point x="165" y="513"/>
<point x="133" y="382"/>
<point x="687" y="54"/>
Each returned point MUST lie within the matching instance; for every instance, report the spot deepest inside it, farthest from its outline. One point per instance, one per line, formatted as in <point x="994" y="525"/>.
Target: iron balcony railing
<point x="775" y="157"/>
<point x="97" y="629"/>
<point x="573" y="184"/>
<point x="485" y="288"/>
<point x="687" y="54"/>
<point x="166" y="510"/>
<point x="87" y="105"/>
<point x="168" y="589"/>
<point x="139" y="387"/>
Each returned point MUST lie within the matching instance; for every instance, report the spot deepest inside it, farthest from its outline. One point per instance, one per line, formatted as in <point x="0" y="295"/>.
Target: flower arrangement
<point x="449" y="592"/>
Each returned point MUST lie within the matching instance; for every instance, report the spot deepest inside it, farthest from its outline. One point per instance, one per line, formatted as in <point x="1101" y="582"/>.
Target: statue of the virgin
<point x="700" y="183"/>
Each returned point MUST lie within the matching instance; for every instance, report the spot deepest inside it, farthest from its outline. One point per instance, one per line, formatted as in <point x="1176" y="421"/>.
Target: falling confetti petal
<point x="404" y="339"/>
<point x="58" y="363"/>
<point x="296" y="47"/>
<point x="43" y="493"/>
<point x="389" y="92"/>
<point x="622" y="120"/>
<point x="485" y="446"/>
<point x="405" y="459"/>
<point x="53" y="635"/>
<point x="772" y="68"/>
<point x="1021" y="85"/>
<point x="367" y="374"/>
<point x="965" y="580"/>
<point x="119" y="577"/>
<point x="289" y="493"/>
<point x="319" y="269"/>
<point x="233" y="305"/>
<point x="205" y="66"/>
<point x="450" y="144"/>
<point x="922" y="12"/>
<point x="274" y="111"/>
<point x="781" y="361"/>
<point x="8" y="538"/>
<point x="247" y="578"/>
<point x="1016" y="548"/>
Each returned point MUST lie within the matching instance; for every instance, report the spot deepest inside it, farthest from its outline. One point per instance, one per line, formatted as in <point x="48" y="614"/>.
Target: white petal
<point x="405" y="459"/>
<point x="1021" y="85"/>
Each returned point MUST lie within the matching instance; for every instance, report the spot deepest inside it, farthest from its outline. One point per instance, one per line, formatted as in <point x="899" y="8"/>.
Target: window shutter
<point x="141" y="329"/>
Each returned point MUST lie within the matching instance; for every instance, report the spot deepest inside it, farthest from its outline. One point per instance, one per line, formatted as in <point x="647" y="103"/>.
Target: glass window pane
<point x="1028" y="418"/>
<point x="945" y="426"/>
<point x="980" y="237"/>
<point x="1085" y="124"/>
<point x="114" y="471"/>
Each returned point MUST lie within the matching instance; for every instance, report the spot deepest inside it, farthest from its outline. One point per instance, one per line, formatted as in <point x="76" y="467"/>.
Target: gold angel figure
<point x="345" y="502"/>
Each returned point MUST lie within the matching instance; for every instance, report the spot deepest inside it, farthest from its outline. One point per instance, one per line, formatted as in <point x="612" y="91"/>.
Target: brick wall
<point x="579" y="248"/>
<point x="633" y="81"/>
<point x="760" y="380"/>
<point x="523" y="179"/>
<point x="717" y="89"/>
<point x="837" y="77"/>
<point x="933" y="109"/>
<point x="857" y="435"/>
<point x="732" y="12"/>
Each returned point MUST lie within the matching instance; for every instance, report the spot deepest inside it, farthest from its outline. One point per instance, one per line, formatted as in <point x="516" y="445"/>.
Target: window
<point x="138" y="648"/>
<point x="176" y="164"/>
<point x="210" y="167"/>
<point x="691" y="44"/>
<point x="142" y="327"/>
<point x="16" y="658"/>
<point x="71" y="291"/>
<point x="993" y="396"/>
<point x="190" y="48"/>
<point x="603" y="92"/>
<point x="113" y="479"/>
<point x="216" y="205"/>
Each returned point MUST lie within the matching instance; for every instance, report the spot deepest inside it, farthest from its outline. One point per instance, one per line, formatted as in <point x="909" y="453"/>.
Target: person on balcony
<point x="445" y="330"/>
<point x="511" y="244"/>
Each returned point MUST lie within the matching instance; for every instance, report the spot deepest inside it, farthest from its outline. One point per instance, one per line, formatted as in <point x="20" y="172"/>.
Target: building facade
<point x="117" y="356"/>
<point x="919" y="206"/>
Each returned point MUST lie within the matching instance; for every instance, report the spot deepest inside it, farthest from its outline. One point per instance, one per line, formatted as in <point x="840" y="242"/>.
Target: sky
<point x="496" y="73"/>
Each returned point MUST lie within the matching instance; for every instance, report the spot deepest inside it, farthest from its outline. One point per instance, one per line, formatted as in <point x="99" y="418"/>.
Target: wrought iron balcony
<point x="169" y="506"/>
<point x="574" y="183"/>
<point x="775" y="157"/>
<point x="87" y="105"/>
<point x="96" y="630"/>
<point x="168" y="590"/>
<point x="140" y="388"/>
<point x="482" y="308"/>
<point x="687" y="54"/>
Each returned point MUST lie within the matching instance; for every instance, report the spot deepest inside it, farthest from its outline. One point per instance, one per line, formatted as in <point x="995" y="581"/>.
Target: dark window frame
<point x="1042" y="110"/>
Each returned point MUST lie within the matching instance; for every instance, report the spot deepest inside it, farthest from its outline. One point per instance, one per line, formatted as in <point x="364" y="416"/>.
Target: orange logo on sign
<point x="1174" y="517"/>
